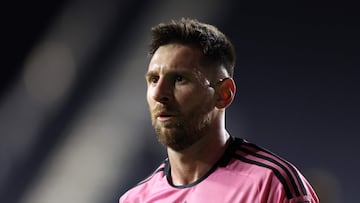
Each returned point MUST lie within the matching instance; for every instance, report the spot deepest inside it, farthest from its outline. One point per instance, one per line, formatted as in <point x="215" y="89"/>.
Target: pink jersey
<point x="246" y="173"/>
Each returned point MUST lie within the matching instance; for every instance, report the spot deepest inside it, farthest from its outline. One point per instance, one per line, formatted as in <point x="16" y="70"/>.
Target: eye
<point x="179" y="78"/>
<point x="153" y="79"/>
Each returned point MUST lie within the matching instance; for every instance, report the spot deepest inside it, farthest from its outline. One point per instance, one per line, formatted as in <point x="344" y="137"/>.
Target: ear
<point x="226" y="93"/>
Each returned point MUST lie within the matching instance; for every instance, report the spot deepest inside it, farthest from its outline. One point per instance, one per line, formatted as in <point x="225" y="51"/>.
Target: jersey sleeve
<point x="277" y="194"/>
<point x="123" y="198"/>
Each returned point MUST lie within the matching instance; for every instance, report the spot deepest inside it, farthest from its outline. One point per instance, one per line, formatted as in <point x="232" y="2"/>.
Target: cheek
<point x="191" y="100"/>
<point x="149" y="98"/>
<point x="185" y="96"/>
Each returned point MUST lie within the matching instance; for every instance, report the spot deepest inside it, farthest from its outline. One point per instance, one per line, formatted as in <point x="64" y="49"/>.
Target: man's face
<point x="179" y="95"/>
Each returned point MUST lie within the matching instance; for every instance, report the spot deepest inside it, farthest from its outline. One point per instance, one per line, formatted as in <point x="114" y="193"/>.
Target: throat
<point x="188" y="176"/>
<point x="195" y="163"/>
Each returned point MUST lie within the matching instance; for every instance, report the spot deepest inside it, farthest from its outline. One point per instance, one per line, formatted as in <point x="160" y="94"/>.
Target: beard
<point x="183" y="131"/>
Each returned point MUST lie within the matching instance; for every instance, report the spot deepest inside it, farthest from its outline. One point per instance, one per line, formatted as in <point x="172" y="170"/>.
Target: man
<point x="189" y="86"/>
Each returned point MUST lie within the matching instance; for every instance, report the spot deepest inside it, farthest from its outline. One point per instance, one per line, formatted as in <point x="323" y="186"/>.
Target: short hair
<point x="215" y="46"/>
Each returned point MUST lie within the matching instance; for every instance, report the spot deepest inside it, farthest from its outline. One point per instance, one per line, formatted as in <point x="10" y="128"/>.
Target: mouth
<point x="164" y="116"/>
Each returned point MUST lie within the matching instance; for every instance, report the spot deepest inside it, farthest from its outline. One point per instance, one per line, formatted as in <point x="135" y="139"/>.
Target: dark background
<point x="297" y="84"/>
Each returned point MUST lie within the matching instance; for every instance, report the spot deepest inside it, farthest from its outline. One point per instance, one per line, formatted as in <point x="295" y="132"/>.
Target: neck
<point x="191" y="164"/>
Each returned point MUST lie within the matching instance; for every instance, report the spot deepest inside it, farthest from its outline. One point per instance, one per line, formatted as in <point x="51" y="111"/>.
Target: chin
<point x="178" y="142"/>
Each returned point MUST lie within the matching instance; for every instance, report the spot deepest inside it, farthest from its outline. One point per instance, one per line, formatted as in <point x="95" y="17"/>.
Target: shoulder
<point x="144" y="186"/>
<point x="270" y="171"/>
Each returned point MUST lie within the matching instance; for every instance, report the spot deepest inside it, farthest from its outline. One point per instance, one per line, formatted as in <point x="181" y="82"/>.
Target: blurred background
<point x="74" y="124"/>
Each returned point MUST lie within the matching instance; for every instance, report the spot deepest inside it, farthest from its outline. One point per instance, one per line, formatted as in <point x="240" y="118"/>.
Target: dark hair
<point x="215" y="46"/>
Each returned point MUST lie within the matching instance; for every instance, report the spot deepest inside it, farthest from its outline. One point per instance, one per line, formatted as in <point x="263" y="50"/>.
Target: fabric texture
<point x="246" y="173"/>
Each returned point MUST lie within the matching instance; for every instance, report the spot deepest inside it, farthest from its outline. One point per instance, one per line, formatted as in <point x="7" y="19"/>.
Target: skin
<point x="187" y="101"/>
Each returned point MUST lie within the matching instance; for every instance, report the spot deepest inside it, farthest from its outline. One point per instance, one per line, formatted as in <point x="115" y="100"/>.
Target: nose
<point x="162" y="91"/>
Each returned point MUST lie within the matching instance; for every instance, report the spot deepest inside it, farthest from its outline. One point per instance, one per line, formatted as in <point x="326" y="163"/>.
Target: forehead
<point x="177" y="57"/>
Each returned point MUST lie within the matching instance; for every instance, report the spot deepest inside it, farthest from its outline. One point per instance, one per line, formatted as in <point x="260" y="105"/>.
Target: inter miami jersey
<point x="246" y="173"/>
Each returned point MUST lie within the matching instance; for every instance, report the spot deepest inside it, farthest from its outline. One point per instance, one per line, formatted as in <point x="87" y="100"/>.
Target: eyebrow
<point x="171" y="72"/>
<point x="149" y="74"/>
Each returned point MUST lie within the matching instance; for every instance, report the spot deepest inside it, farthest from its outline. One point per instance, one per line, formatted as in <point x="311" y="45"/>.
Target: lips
<point x="164" y="116"/>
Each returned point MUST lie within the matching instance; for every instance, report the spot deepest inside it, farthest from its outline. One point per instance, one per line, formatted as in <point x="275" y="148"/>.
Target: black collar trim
<point x="222" y="162"/>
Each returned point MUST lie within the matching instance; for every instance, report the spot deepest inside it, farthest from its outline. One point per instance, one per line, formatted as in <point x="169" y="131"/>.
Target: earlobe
<point x="226" y="93"/>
